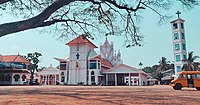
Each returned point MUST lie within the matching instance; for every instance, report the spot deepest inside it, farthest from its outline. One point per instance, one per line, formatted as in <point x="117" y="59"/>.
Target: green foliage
<point x="190" y="65"/>
<point x="34" y="60"/>
<point x="156" y="70"/>
<point x="149" y="69"/>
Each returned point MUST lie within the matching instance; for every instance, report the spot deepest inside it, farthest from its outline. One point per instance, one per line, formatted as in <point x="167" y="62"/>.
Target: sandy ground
<point x="97" y="95"/>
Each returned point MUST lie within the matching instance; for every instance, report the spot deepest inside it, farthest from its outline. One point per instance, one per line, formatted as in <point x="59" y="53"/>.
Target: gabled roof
<point x="124" y="69"/>
<point x="104" y="62"/>
<point x="61" y="60"/>
<point x="49" y="70"/>
<point x="81" y="40"/>
<point x="14" y="58"/>
<point x="1" y="57"/>
<point x="179" y="19"/>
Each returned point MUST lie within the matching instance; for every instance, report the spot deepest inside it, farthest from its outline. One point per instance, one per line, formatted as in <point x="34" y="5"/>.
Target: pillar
<point x="55" y="79"/>
<point x="45" y="80"/>
<point x="106" y="79"/>
<point x="115" y="79"/>
<point x="140" y="82"/>
<point x="129" y="76"/>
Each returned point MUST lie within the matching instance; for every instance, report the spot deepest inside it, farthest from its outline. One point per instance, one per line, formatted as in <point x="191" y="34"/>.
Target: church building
<point x="86" y="67"/>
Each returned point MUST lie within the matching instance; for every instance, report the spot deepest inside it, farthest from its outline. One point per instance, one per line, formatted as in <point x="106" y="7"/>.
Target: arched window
<point x="50" y="76"/>
<point x="92" y="77"/>
<point x="2" y="77"/>
<point x="8" y="77"/>
<point x="62" y="73"/>
<point x="16" y="77"/>
<point x="92" y="72"/>
<point x="62" y="79"/>
<point x="23" y="78"/>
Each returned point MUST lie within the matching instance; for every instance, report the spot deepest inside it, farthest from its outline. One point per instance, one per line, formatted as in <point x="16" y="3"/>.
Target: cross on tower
<point x="178" y="13"/>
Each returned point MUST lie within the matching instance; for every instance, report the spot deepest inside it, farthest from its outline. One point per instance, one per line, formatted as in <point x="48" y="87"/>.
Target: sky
<point x="157" y="40"/>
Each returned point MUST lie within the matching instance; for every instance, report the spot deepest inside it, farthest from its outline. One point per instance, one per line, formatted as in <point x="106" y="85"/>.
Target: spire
<point x="111" y="43"/>
<point x="119" y="54"/>
<point x="106" y="35"/>
<point x="115" y="53"/>
<point x="106" y="41"/>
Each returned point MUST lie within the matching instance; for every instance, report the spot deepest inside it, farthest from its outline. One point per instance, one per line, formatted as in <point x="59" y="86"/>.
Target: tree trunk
<point x="31" y="78"/>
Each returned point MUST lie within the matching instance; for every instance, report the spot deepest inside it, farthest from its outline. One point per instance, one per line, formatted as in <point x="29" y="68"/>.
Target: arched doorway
<point x="93" y="78"/>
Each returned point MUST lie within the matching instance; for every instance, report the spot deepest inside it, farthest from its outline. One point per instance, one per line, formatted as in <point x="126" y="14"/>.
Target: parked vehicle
<point x="189" y="79"/>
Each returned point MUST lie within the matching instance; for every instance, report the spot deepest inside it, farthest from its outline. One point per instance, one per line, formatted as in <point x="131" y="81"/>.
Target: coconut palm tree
<point x="163" y="65"/>
<point x="190" y="65"/>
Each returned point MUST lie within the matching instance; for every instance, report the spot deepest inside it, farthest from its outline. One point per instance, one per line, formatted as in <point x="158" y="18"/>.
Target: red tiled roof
<point x="104" y="68"/>
<point x="104" y="62"/>
<point x="1" y="57"/>
<point x="81" y="40"/>
<point x="13" y="58"/>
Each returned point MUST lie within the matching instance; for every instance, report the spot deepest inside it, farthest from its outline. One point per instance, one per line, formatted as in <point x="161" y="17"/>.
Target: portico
<point x="124" y="75"/>
<point x="49" y="76"/>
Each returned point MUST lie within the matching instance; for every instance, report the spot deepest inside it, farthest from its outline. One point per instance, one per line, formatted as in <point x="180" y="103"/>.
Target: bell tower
<point x="179" y="43"/>
<point x="80" y="48"/>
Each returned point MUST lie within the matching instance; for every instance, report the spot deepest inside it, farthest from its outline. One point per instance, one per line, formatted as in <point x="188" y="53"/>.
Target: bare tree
<point x="89" y="17"/>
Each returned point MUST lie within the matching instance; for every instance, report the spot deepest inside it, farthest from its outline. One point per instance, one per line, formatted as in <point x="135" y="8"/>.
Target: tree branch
<point x="37" y="21"/>
<point x="4" y="1"/>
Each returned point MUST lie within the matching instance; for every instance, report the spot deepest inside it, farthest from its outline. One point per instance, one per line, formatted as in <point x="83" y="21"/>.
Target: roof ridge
<point x="15" y="57"/>
<point x="81" y="40"/>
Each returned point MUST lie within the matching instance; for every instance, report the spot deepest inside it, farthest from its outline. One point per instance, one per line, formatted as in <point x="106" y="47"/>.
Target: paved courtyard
<point x="97" y="95"/>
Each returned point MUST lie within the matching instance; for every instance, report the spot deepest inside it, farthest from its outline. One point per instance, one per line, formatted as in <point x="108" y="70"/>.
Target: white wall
<point x="20" y="79"/>
<point x="143" y="77"/>
<point x="78" y="74"/>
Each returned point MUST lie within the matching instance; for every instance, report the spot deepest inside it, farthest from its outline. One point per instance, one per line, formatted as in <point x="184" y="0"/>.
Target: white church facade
<point x="84" y="66"/>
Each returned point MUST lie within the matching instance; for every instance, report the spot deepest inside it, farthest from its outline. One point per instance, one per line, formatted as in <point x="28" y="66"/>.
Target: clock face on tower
<point x="77" y="56"/>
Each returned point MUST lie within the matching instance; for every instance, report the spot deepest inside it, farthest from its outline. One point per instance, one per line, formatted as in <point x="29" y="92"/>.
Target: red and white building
<point x="85" y="66"/>
<point x="13" y="70"/>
